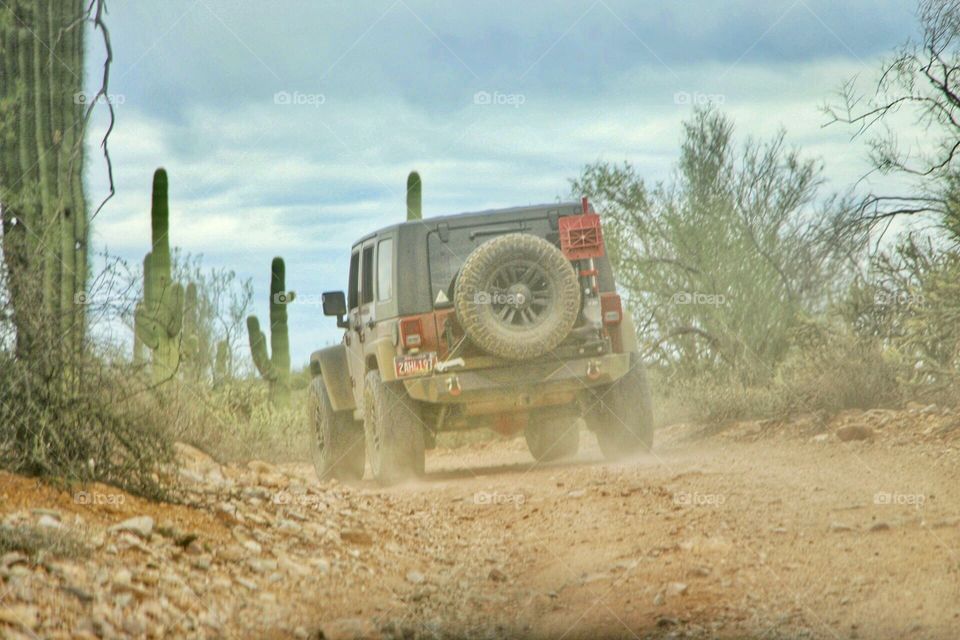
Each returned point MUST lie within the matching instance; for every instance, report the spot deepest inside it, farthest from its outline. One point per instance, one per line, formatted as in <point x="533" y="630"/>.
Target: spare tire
<point x="517" y="296"/>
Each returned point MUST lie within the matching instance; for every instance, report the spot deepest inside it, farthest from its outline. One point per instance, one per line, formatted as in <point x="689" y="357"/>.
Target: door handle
<point x="371" y="323"/>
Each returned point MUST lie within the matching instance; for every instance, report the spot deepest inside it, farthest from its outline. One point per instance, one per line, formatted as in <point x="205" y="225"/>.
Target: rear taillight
<point x="411" y="333"/>
<point x="611" y="309"/>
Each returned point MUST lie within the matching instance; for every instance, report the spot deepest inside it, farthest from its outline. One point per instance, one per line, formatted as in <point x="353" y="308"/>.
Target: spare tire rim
<point x="520" y="293"/>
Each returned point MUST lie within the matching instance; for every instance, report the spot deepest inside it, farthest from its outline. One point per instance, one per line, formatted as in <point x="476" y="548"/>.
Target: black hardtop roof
<point x="489" y="215"/>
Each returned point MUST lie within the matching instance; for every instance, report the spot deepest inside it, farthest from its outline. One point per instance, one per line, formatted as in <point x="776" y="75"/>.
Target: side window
<point x="366" y="290"/>
<point x="384" y="269"/>
<point x="353" y="288"/>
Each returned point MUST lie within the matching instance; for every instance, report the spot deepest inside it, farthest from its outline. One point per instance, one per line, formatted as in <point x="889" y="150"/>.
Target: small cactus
<point x="274" y="366"/>
<point x="414" y="197"/>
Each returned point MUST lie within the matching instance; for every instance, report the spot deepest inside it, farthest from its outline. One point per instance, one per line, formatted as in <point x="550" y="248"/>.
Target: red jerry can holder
<point x="580" y="236"/>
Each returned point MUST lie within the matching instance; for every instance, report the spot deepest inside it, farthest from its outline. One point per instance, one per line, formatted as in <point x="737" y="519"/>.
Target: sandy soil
<point x="758" y="530"/>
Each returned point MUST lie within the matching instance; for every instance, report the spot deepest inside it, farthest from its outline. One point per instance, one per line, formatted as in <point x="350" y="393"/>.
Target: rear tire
<point x="621" y="414"/>
<point x="517" y="296"/>
<point x="338" y="450"/>
<point x="393" y="430"/>
<point x="553" y="434"/>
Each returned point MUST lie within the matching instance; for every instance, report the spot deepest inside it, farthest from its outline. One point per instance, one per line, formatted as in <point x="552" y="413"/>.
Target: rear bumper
<point x="518" y="386"/>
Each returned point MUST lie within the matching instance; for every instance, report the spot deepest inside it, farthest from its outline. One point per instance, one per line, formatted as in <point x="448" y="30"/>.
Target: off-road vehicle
<point x="507" y="319"/>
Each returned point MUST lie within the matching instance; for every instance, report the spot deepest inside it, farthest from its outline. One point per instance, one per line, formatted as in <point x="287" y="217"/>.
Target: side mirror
<point x="335" y="304"/>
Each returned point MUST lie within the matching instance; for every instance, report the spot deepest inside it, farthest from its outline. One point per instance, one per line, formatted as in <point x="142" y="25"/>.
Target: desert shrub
<point x="85" y="422"/>
<point x="831" y="369"/>
<point x="827" y="368"/>
<point x="723" y="260"/>
<point x="909" y="302"/>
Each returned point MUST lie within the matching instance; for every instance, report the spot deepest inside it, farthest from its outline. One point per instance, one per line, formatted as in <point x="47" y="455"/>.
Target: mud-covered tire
<point x="517" y="296"/>
<point x="393" y="430"/>
<point x="621" y="414"/>
<point x="338" y="448"/>
<point x="553" y="434"/>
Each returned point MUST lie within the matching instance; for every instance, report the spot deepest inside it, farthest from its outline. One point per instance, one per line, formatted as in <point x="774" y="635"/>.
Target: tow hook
<point x="593" y="369"/>
<point x="453" y="386"/>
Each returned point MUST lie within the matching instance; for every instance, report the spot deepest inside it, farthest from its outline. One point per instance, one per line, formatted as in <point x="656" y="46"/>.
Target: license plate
<point x="418" y="365"/>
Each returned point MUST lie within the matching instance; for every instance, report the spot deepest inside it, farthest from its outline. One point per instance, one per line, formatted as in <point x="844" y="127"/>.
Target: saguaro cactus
<point x="159" y="316"/>
<point x="42" y="204"/>
<point x="414" y="196"/>
<point x="274" y="367"/>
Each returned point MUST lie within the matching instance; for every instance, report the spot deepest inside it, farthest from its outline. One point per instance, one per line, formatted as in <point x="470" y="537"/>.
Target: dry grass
<point x="39" y="543"/>
<point x="236" y="422"/>
<point x="91" y="422"/>
<point x="827" y="369"/>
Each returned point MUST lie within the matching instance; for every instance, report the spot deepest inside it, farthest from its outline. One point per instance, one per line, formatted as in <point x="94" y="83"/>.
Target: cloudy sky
<point x="288" y="127"/>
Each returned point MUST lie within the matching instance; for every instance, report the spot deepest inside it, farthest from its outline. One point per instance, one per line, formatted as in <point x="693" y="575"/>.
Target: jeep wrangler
<point x="507" y="319"/>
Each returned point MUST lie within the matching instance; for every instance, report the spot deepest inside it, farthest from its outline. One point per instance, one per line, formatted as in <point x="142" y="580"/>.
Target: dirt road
<point x="762" y="530"/>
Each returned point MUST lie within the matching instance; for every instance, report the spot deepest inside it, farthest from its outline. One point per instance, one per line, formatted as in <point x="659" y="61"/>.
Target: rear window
<point x="446" y="258"/>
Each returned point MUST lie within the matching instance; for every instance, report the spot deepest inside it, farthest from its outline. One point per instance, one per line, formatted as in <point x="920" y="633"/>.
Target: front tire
<point x="393" y="430"/>
<point x="621" y="414"/>
<point x="338" y="450"/>
<point x="553" y="434"/>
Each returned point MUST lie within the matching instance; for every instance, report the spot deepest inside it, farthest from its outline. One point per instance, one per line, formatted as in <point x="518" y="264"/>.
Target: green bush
<point x="910" y="301"/>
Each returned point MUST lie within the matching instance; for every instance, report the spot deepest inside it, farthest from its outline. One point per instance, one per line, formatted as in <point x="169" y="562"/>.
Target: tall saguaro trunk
<point x="42" y="204"/>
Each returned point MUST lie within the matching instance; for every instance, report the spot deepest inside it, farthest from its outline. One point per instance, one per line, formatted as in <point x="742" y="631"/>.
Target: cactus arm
<point x="146" y="328"/>
<point x="172" y="310"/>
<point x="258" y="349"/>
